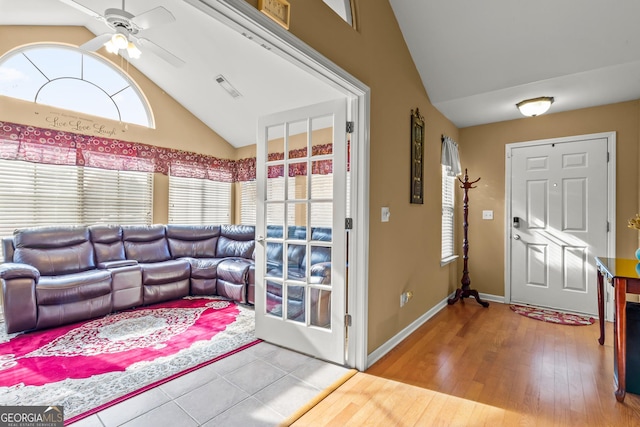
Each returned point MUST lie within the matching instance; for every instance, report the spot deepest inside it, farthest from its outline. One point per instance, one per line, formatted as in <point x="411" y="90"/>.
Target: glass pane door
<point x="300" y="258"/>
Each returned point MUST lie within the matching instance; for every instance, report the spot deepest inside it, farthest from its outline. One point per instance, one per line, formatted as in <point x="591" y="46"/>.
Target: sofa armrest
<point x="19" y="296"/>
<point x="13" y="270"/>
<point x="321" y="272"/>
<point x="117" y="264"/>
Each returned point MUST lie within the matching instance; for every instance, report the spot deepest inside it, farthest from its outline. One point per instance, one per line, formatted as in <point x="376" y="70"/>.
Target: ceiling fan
<point x="124" y="37"/>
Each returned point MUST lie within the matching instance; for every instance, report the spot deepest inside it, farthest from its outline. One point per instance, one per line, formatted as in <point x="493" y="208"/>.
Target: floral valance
<point x="40" y="145"/>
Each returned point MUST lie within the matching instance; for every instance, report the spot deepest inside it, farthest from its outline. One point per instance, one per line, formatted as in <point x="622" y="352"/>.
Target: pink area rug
<point x="552" y="316"/>
<point x="91" y="365"/>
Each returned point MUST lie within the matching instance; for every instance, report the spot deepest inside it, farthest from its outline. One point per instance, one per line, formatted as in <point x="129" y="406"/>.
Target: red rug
<point x="552" y="316"/>
<point x="91" y="365"/>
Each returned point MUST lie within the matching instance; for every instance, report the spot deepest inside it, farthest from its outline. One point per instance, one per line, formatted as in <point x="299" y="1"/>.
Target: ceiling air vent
<point x="222" y="81"/>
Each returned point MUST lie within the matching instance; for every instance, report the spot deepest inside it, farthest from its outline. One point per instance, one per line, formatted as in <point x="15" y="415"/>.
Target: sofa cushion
<point x="204" y="268"/>
<point x="165" y="272"/>
<point x="74" y="287"/>
<point x="107" y="242"/>
<point x="145" y="243"/>
<point x="319" y="254"/>
<point x="54" y="250"/>
<point x="234" y="248"/>
<point x="321" y="234"/>
<point x="234" y="270"/>
<point x="197" y="241"/>
<point x="238" y="232"/>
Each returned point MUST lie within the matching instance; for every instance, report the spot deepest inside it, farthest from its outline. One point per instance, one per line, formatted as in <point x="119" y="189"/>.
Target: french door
<point x="301" y="172"/>
<point x="559" y="222"/>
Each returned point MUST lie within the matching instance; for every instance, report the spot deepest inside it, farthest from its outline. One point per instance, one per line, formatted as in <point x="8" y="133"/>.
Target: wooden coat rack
<point x="465" y="291"/>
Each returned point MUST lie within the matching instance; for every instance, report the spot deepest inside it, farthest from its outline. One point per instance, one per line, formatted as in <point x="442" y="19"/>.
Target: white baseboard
<point x="385" y="348"/>
<point x="490" y="297"/>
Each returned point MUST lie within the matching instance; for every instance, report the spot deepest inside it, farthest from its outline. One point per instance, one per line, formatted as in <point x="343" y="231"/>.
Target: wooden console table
<point x="623" y="276"/>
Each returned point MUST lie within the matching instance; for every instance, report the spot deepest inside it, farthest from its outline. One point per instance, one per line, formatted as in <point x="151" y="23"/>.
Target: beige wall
<point x="482" y="150"/>
<point x="405" y="252"/>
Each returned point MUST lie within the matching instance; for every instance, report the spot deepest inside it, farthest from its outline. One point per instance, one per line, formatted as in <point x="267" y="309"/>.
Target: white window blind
<point x="248" y="202"/>
<point x="448" y="201"/>
<point x="322" y="211"/>
<point x="321" y="189"/>
<point x="116" y="197"/>
<point x="199" y="201"/>
<point x="34" y="194"/>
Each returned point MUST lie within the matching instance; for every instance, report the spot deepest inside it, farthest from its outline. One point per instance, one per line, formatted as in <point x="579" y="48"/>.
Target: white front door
<point x="300" y="230"/>
<point x="558" y="222"/>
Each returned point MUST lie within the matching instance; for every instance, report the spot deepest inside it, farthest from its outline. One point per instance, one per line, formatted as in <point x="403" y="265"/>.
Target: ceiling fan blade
<point x="96" y="42"/>
<point x="81" y="8"/>
<point x="153" y="17"/>
<point x="146" y="44"/>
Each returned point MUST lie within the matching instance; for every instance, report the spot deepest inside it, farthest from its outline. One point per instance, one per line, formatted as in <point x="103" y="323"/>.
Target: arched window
<point x="69" y="78"/>
<point x="343" y="8"/>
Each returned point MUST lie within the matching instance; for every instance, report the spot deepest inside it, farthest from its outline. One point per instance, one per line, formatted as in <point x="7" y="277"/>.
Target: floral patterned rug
<point x="552" y="316"/>
<point x="91" y="365"/>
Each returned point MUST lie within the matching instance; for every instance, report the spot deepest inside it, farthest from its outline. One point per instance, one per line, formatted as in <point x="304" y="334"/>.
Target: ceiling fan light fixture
<point x="535" y="106"/>
<point x="111" y="48"/>
<point x="133" y="51"/>
<point x="120" y="41"/>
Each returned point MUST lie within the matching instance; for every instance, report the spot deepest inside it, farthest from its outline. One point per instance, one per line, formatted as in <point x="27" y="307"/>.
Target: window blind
<point x="248" y="192"/>
<point x="321" y="214"/>
<point x="448" y="201"/>
<point x="116" y="197"/>
<point x="199" y="201"/>
<point x="322" y="195"/>
<point x="36" y="194"/>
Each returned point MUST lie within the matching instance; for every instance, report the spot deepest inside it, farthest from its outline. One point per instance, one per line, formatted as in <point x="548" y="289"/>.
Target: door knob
<point x="260" y="239"/>
<point x="516" y="237"/>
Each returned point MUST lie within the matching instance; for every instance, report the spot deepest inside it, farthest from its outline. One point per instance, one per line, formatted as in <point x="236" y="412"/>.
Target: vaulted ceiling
<point x="266" y="82"/>
<point x="476" y="59"/>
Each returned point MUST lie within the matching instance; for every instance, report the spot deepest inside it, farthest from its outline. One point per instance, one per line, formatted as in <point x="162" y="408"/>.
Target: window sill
<point x="448" y="260"/>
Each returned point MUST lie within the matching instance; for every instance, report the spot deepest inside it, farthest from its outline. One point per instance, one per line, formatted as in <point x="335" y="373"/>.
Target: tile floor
<point x="259" y="386"/>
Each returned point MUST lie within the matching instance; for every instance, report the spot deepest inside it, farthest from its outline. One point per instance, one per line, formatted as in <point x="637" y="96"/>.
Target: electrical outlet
<point x="405" y="297"/>
<point x="487" y="214"/>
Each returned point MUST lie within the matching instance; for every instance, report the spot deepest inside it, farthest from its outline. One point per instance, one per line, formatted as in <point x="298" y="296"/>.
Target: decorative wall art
<point x="278" y="10"/>
<point x="417" y="155"/>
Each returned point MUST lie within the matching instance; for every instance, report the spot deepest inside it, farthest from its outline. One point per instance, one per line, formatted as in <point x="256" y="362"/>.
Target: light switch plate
<point x="487" y="214"/>
<point x="385" y="214"/>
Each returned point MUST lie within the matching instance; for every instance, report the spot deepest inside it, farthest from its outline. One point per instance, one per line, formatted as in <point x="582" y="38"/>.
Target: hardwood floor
<point x="475" y="366"/>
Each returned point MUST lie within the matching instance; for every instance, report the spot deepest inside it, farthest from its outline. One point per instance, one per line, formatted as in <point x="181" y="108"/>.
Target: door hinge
<point x="608" y="227"/>
<point x="347" y="320"/>
<point x="348" y="223"/>
<point x="350" y="127"/>
<point x="607" y="157"/>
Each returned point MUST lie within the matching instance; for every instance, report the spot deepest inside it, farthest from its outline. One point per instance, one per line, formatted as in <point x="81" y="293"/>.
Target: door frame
<point x="611" y="202"/>
<point x="241" y="16"/>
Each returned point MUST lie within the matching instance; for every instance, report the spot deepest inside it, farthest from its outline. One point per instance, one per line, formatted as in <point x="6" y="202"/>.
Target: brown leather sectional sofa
<point x="58" y="275"/>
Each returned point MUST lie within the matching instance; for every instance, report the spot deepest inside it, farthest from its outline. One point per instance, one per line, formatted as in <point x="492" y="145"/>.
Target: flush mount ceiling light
<point x="535" y="106"/>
